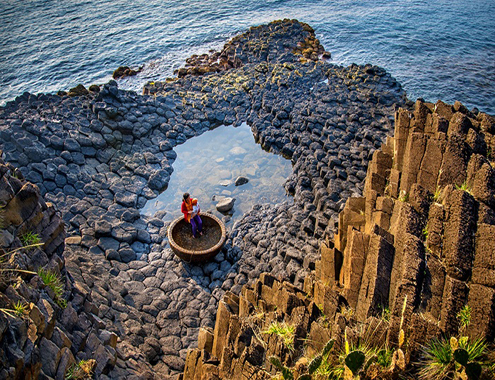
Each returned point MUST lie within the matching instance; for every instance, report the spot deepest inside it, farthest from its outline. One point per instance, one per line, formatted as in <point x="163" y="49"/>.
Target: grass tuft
<point x="53" y="281"/>
<point x="425" y="233"/>
<point x="464" y="187"/>
<point x="20" y="309"/>
<point x="30" y="239"/>
<point x="437" y="357"/>
<point x="81" y="370"/>
<point x="284" y="331"/>
<point x="438" y="193"/>
<point x="464" y="317"/>
<point x="386" y="314"/>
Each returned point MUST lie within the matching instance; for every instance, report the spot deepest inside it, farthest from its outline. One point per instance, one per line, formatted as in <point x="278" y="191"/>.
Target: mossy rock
<point x="79" y="90"/>
<point x="125" y="71"/>
<point x="94" y="88"/>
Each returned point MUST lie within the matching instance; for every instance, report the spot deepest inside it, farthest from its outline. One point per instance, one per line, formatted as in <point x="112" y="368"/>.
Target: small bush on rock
<point x="353" y="360"/>
<point x="457" y="358"/>
<point x="313" y="366"/>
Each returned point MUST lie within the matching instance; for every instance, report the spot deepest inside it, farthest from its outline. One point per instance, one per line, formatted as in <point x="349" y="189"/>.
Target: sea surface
<point x="436" y="49"/>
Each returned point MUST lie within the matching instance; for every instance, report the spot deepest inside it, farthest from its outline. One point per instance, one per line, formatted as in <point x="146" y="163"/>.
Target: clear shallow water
<point x="207" y="166"/>
<point x="437" y="50"/>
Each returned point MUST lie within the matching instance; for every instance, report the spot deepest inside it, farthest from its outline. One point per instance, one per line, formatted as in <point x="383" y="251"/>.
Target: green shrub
<point x="313" y="366"/>
<point x="352" y="359"/>
<point x="384" y="357"/>
<point x="437" y="357"/>
<point x="442" y="356"/>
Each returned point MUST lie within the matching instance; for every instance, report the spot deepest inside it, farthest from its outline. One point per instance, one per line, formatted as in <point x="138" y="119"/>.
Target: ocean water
<point x="436" y="49"/>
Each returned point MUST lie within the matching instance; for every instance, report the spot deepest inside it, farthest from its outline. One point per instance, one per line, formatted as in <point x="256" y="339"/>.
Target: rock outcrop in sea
<point x="96" y="157"/>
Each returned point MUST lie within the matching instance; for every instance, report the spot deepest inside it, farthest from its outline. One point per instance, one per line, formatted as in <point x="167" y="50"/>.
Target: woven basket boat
<point x="201" y="249"/>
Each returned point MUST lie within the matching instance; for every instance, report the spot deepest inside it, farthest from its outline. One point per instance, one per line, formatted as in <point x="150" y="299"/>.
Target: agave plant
<point x="459" y="357"/>
<point x="313" y="366"/>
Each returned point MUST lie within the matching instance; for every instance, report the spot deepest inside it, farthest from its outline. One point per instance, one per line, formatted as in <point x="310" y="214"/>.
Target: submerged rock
<point x="241" y="180"/>
<point x="225" y="204"/>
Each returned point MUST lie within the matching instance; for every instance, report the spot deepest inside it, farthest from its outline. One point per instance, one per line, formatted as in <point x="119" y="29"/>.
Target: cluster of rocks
<point x="125" y="71"/>
<point x="101" y="156"/>
<point x="419" y="243"/>
<point x="421" y="231"/>
<point x="80" y="90"/>
<point x="240" y="345"/>
<point x="46" y="327"/>
<point x="265" y="43"/>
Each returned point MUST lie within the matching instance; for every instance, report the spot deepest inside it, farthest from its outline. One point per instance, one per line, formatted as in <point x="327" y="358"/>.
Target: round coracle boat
<point x="202" y="248"/>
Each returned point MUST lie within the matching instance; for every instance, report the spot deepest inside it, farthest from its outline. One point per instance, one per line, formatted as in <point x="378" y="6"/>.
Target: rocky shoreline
<point x="99" y="155"/>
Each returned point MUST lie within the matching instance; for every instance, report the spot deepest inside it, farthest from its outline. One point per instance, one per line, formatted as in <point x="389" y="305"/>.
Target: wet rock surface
<point x="99" y="157"/>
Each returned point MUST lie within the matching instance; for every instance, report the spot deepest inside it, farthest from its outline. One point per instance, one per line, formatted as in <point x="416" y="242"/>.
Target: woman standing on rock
<point x="190" y="209"/>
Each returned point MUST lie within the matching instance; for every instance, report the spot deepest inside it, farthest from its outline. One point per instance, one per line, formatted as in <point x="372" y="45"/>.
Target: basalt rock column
<point x="422" y="229"/>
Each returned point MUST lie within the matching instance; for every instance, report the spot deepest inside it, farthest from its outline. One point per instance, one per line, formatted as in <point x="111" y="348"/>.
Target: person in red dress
<point x="190" y="209"/>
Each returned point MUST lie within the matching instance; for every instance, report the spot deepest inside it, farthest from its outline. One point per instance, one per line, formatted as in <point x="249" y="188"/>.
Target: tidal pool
<point x="207" y="167"/>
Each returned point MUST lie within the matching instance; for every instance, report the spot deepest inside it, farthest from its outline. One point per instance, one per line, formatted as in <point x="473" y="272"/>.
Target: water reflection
<point x="207" y="167"/>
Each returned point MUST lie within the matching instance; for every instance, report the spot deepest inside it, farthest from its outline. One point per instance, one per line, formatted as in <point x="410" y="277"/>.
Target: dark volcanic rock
<point x="100" y="156"/>
<point x="79" y="90"/>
